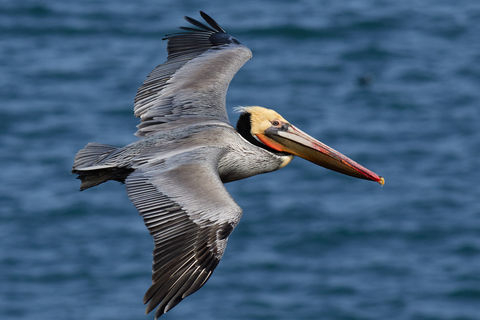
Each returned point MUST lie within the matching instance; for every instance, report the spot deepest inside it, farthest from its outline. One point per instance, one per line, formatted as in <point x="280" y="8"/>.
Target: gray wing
<point x="190" y="214"/>
<point x="193" y="82"/>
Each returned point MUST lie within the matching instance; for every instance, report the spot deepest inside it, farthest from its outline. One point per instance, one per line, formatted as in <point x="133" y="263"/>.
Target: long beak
<point x="299" y="143"/>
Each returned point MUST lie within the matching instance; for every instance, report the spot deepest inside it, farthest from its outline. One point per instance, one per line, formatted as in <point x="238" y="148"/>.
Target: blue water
<point x="312" y="244"/>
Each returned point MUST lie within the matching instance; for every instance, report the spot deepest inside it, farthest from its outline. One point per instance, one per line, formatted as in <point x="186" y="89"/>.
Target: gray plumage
<point x="174" y="175"/>
<point x="194" y="80"/>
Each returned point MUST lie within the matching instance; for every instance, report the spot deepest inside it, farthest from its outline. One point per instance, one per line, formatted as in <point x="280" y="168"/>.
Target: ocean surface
<point x="395" y="85"/>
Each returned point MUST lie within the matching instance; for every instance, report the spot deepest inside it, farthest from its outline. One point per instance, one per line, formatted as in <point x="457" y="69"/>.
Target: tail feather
<point x="90" y="169"/>
<point x="92" y="155"/>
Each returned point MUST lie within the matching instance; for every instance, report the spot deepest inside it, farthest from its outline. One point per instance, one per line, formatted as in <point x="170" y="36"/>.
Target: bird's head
<point x="266" y="128"/>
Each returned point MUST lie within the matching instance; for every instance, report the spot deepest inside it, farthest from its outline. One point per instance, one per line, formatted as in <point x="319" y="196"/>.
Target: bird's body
<point x="236" y="158"/>
<point x="174" y="175"/>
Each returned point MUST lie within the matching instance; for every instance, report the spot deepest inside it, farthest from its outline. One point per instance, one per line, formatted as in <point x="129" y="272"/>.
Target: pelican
<point x="175" y="173"/>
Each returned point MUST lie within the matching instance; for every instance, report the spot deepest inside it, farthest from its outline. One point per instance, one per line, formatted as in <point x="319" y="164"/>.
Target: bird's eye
<point x="275" y="123"/>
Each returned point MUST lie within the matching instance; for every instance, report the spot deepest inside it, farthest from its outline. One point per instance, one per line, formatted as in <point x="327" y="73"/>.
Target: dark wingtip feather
<point x="202" y="28"/>
<point x="198" y="24"/>
<point x="211" y="22"/>
<point x="201" y="38"/>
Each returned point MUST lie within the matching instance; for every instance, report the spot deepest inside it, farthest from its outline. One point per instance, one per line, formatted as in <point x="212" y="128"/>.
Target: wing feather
<point x="189" y="223"/>
<point x="193" y="82"/>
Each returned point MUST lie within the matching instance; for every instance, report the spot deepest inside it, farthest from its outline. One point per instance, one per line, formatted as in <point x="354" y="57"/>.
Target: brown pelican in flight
<point x="174" y="175"/>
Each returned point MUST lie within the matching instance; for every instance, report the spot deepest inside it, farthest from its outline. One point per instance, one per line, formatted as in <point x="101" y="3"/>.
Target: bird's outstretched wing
<point x="193" y="82"/>
<point x="189" y="220"/>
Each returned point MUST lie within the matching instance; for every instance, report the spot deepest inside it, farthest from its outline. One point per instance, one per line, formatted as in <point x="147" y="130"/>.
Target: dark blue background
<point x="312" y="244"/>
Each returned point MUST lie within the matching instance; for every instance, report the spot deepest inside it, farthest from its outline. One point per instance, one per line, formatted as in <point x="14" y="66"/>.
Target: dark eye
<point x="275" y="123"/>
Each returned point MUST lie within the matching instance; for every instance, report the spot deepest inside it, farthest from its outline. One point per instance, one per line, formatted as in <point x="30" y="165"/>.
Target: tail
<point x="91" y="169"/>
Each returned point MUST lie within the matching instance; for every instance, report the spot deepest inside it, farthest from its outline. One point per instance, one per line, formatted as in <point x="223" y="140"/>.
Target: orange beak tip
<point x="382" y="181"/>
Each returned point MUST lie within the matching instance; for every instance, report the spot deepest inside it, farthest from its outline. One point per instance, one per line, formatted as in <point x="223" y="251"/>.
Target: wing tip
<point x="211" y="22"/>
<point x="213" y="25"/>
<point x="199" y="24"/>
<point x="213" y="28"/>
